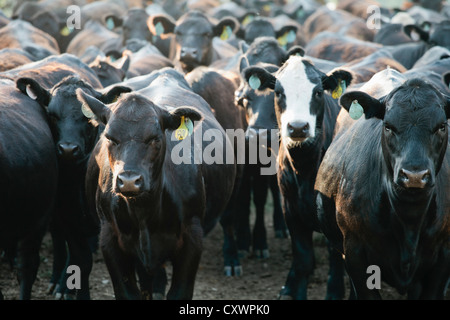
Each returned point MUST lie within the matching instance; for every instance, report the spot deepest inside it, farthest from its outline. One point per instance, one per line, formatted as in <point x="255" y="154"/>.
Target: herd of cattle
<point x="89" y="113"/>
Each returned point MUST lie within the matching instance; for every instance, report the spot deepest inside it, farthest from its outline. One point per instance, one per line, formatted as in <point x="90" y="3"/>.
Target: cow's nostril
<point x="414" y="179"/>
<point x="129" y="182"/>
<point x="68" y="149"/>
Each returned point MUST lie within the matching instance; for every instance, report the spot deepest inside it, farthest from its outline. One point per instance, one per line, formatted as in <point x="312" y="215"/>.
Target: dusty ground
<point x="261" y="280"/>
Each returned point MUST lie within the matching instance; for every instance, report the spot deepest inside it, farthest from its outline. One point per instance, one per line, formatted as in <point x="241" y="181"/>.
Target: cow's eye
<point x="111" y="140"/>
<point x="442" y="127"/>
<point x="388" y="129"/>
<point x="319" y="93"/>
<point x="206" y="34"/>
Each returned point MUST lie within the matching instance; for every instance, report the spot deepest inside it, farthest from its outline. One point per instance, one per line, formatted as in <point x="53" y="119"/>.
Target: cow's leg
<point x="302" y="257"/>
<point x="28" y="261"/>
<point x="243" y="233"/>
<point x="185" y="263"/>
<point x="260" y="188"/>
<point x="279" y="224"/>
<point x="356" y="265"/>
<point x="59" y="257"/>
<point x="326" y="214"/>
<point x="335" y="283"/>
<point x="121" y="267"/>
<point x="435" y="282"/>
<point x="80" y="255"/>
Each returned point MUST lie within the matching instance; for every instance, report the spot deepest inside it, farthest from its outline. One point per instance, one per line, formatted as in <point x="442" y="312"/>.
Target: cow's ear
<point x="113" y="94"/>
<point x="172" y="119"/>
<point x="259" y="79"/>
<point x="113" y="21"/>
<point x="358" y="102"/>
<point x="93" y="108"/>
<point x="226" y="27"/>
<point x="34" y="90"/>
<point x="286" y="35"/>
<point x="447" y="107"/>
<point x="337" y="81"/>
<point x="294" y="51"/>
<point x="446" y="79"/>
<point x="243" y="63"/>
<point x="416" y="33"/>
<point x="161" y="24"/>
<point x="243" y="46"/>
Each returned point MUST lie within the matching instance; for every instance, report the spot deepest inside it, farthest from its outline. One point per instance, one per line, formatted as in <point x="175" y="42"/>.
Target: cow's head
<point x="135" y="139"/>
<point x="108" y="71"/>
<point x="434" y="34"/>
<point x="194" y="33"/>
<point x="134" y="25"/>
<point x="299" y="96"/>
<point x="414" y="134"/>
<point x="73" y="135"/>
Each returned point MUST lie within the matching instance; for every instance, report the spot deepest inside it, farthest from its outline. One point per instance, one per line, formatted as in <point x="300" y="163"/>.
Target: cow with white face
<point x="306" y="117"/>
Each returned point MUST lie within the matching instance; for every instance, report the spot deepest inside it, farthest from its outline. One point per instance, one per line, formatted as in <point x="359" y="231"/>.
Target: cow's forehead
<point x="134" y="107"/>
<point x="194" y="24"/>
<point x="297" y="70"/>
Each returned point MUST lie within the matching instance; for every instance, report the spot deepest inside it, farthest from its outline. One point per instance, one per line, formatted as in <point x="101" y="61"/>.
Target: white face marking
<point x="298" y="90"/>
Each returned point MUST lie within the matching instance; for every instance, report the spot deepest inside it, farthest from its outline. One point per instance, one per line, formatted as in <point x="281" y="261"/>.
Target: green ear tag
<point x="337" y="93"/>
<point x="254" y="82"/>
<point x="186" y="128"/>
<point x="291" y="36"/>
<point x="226" y="33"/>
<point x="87" y="112"/>
<point x="159" y="29"/>
<point x="110" y="23"/>
<point x="356" y="110"/>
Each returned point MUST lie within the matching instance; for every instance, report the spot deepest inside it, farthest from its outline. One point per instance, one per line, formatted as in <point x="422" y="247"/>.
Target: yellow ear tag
<point x="226" y="33"/>
<point x="186" y="128"/>
<point x="282" y="41"/>
<point x="249" y="18"/>
<point x="65" y="31"/>
<point x="267" y="7"/>
<point x="337" y="93"/>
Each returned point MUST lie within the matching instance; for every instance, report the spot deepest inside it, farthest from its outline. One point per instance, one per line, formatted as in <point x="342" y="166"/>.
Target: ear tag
<point x="267" y="7"/>
<point x="87" y="112"/>
<point x="110" y="23"/>
<point x="356" y="110"/>
<point x="30" y="93"/>
<point x="249" y="18"/>
<point x="300" y="13"/>
<point x="226" y="33"/>
<point x="337" y="93"/>
<point x="159" y="29"/>
<point x="65" y="31"/>
<point x="186" y="128"/>
<point x="254" y="82"/>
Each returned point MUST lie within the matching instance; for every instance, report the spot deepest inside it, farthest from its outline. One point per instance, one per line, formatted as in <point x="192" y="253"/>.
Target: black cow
<point x="261" y="120"/>
<point x="74" y="140"/>
<point x="194" y="38"/>
<point x="383" y="191"/>
<point x="306" y="118"/>
<point x="153" y="208"/>
<point x="23" y="35"/>
<point x="29" y="171"/>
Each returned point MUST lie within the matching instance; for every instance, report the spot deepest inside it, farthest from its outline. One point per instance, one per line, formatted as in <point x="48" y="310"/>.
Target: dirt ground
<point x="262" y="279"/>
